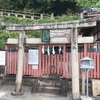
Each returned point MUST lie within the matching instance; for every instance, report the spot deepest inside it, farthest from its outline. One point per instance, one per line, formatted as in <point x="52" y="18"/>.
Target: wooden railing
<point x="24" y="14"/>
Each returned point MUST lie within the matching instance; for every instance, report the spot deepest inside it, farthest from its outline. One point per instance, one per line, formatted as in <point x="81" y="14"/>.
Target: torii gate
<point x="73" y="25"/>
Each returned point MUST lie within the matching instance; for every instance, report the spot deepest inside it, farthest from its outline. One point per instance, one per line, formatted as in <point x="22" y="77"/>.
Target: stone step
<point x="50" y="86"/>
<point x="46" y="82"/>
<point x="49" y="89"/>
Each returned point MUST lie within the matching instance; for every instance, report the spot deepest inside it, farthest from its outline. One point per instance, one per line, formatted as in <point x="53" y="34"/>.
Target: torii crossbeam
<point x="59" y="25"/>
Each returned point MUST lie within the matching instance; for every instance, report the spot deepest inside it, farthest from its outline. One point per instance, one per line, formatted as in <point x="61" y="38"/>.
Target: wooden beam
<point x="65" y="40"/>
<point x="59" y="25"/>
<point x="92" y="15"/>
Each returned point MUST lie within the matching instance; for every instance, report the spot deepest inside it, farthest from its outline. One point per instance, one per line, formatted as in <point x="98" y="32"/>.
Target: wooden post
<point x="41" y="15"/>
<point x="20" y="62"/>
<point x="75" y="67"/>
<point x="52" y="16"/>
<point x="81" y="16"/>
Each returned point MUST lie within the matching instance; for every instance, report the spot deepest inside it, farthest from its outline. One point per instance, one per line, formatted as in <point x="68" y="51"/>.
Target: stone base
<point x="95" y="87"/>
<point x="16" y="94"/>
<point x="86" y="98"/>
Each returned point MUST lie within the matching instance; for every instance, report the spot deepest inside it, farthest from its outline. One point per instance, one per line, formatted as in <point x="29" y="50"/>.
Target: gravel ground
<point x="28" y="96"/>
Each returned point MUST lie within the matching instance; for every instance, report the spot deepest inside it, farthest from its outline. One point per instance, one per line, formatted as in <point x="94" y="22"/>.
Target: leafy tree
<point x="88" y="3"/>
<point x="3" y="38"/>
<point x="40" y="6"/>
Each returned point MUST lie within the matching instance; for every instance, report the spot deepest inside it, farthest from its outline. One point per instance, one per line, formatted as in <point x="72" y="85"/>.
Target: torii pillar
<point x="19" y="73"/>
<point x="75" y="67"/>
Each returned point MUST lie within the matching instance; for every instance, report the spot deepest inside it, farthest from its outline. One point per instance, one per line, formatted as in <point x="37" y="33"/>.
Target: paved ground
<point x="27" y="94"/>
<point x="7" y="89"/>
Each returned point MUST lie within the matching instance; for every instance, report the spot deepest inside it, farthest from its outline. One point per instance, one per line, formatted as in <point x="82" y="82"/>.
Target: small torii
<point x="74" y="46"/>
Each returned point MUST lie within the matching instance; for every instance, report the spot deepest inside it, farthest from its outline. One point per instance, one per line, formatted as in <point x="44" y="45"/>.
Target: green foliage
<point x="86" y="3"/>
<point x="5" y="35"/>
<point x="35" y="33"/>
<point x="47" y="6"/>
<point x="3" y="38"/>
<point x="12" y="34"/>
<point x="64" y="17"/>
<point x="67" y="17"/>
<point x="12" y="19"/>
<point x="2" y="27"/>
<point x="2" y="43"/>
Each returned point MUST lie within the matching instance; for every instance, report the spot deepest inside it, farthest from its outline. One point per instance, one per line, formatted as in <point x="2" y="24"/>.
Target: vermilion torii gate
<point x="73" y="25"/>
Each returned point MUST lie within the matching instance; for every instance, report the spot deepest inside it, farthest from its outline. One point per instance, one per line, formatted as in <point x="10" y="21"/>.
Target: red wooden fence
<point x="61" y="62"/>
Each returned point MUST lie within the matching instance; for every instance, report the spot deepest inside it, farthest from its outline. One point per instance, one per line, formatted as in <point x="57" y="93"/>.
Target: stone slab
<point x="86" y="98"/>
<point x="95" y="87"/>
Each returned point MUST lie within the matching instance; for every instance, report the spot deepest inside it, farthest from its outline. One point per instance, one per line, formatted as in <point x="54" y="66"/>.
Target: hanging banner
<point x="33" y="56"/>
<point x="2" y="57"/>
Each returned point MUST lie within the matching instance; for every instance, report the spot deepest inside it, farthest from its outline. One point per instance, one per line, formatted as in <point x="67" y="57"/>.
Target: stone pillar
<point x="75" y="67"/>
<point x="20" y="62"/>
